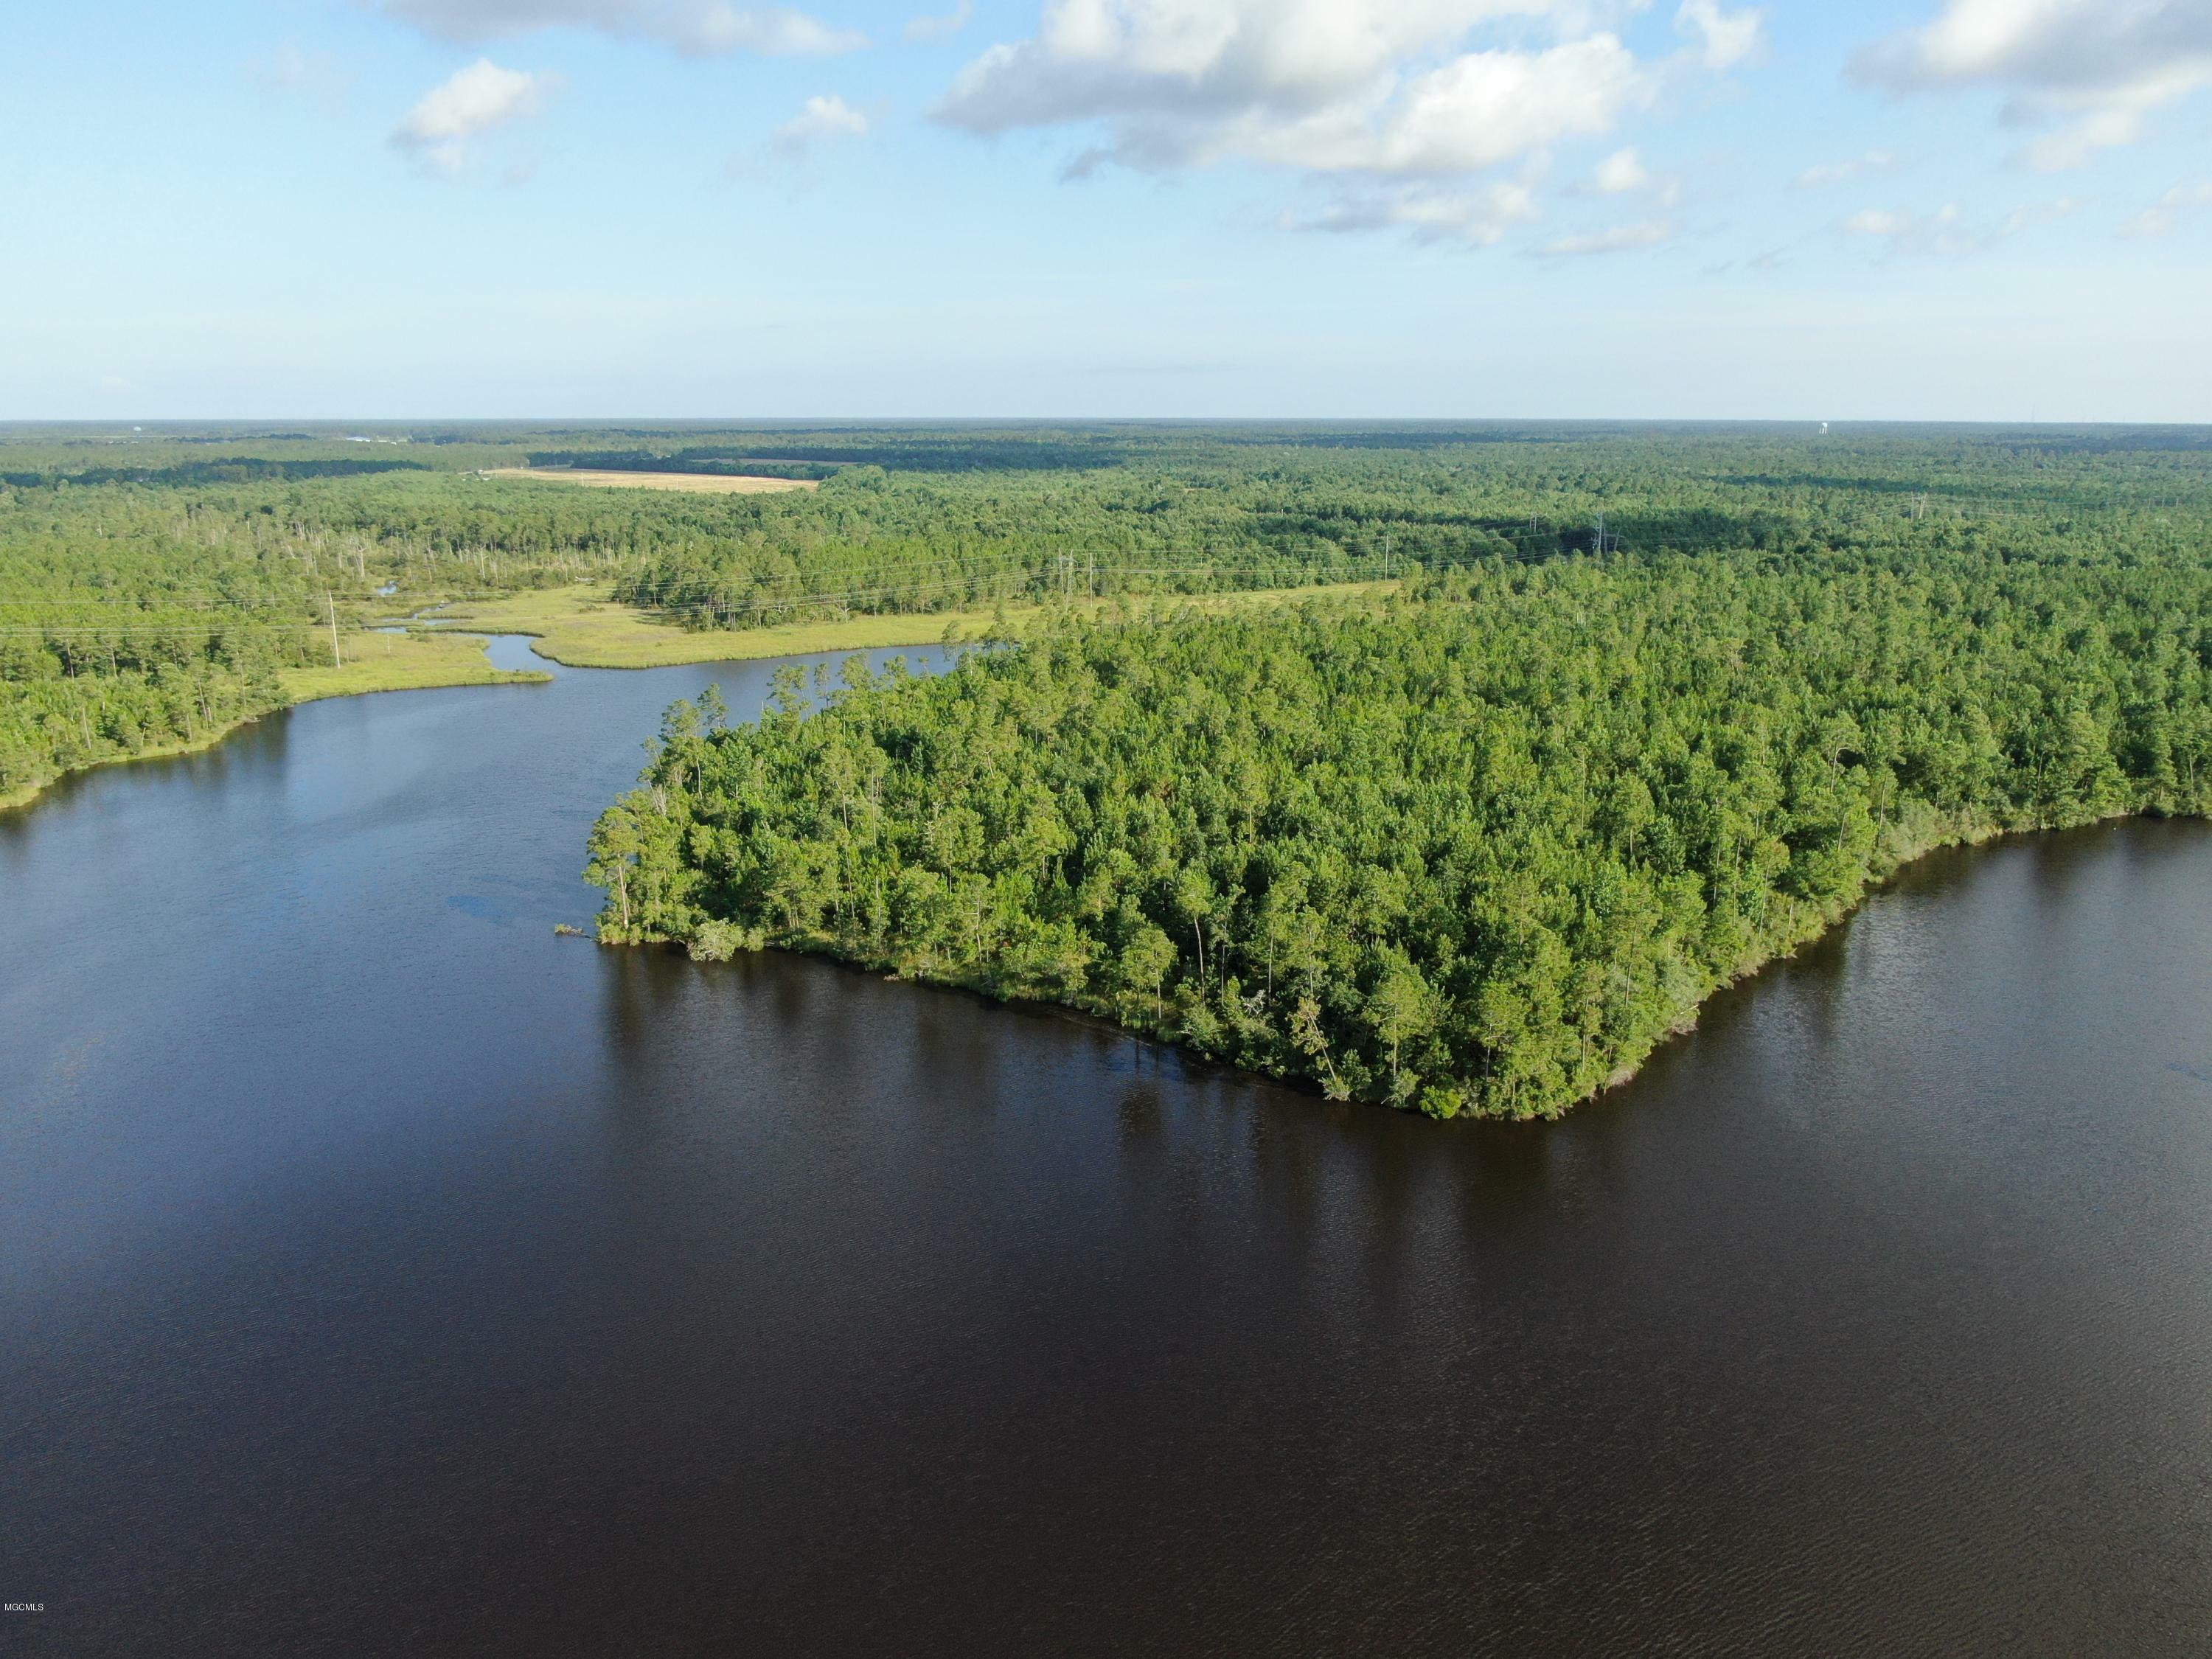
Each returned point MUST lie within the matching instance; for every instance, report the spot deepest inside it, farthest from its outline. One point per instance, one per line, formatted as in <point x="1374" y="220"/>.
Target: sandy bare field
<point x="710" y="484"/>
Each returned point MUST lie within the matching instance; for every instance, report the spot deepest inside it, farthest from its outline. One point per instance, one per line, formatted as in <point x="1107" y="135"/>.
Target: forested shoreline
<point x="1654" y="704"/>
<point x="1476" y="852"/>
<point x="119" y="638"/>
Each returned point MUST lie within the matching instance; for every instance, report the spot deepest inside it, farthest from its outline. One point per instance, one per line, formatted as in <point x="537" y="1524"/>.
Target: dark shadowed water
<point x="379" y="1274"/>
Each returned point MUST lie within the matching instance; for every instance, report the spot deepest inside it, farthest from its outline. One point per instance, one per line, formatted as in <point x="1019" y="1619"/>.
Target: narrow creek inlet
<point x="381" y="1273"/>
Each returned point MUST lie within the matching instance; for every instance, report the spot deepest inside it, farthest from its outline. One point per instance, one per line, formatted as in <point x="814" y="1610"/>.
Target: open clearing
<point x="582" y="627"/>
<point x="707" y="483"/>
<point x="402" y="662"/>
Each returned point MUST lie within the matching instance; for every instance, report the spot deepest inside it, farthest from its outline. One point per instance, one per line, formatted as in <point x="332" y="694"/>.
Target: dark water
<point x="379" y="1274"/>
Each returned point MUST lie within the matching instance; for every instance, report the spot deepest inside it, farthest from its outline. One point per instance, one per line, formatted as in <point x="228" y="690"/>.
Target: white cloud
<point x="1333" y="85"/>
<point x="941" y="28"/>
<point x="1399" y="102"/>
<point x="697" y="27"/>
<point x="1837" y="172"/>
<point x="1182" y="80"/>
<point x="1622" y="238"/>
<point x="1480" y="217"/>
<point x="1726" y="38"/>
<point x="476" y="100"/>
<point x="1479" y="109"/>
<point x="2162" y="215"/>
<point x="1621" y="173"/>
<point x="1948" y="234"/>
<point x="2099" y="66"/>
<point x="823" y="118"/>
<point x="1624" y="173"/>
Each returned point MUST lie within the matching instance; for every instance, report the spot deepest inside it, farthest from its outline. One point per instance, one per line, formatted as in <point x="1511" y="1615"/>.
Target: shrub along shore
<point x="158" y="716"/>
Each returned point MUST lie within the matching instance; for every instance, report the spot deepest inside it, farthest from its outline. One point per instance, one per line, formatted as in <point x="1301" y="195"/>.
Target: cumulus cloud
<point x="695" y="27"/>
<point x="941" y="28"/>
<point x="2096" y="68"/>
<point x="476" y="100"/>
<point x="1621" y="239"/>
<point x="1837" y="172"/>
<point x="1377" y="86"/>
<point x="1725" y="38"/>
<point x="1948" y="234"/>
<point x="1480" y="109"/>
<point x="1624" y="173"/>
<point x="1401" y="105"/>
<point x="1621" y="173"/>
<point x="1317" y="84"/>
<point x="824" y="117"/>
<point x="2162" y="215"/>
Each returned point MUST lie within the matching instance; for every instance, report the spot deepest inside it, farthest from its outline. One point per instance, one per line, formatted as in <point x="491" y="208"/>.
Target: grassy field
<point x="582" y="628"/>
<point x="705" y="484"/>
<point x="402" y="662"/>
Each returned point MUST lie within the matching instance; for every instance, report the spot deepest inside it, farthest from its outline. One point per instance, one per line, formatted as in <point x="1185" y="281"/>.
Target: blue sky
<point x="1993" y="209"/>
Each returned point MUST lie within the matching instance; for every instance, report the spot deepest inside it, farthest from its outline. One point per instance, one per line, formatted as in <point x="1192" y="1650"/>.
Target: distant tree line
<point x="239" y="468"/>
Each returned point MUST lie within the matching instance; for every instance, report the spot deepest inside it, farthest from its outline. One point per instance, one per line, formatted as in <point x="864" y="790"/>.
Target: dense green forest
<point x="128" y="625"/>
<point x="152" y="580"/>
<point x="1477" y="851"/>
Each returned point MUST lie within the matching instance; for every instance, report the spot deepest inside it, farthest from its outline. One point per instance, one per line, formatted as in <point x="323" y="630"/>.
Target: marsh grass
<point x="582" y="627"/>
<point x="402" y="662"/>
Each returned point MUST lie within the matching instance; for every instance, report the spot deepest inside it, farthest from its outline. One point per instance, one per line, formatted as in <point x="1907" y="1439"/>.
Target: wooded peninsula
<point x="1478" y="848"/>
<point x="1476" y="851"/>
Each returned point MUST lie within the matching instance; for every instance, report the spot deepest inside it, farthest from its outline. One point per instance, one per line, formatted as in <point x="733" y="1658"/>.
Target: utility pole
<point x="336" y="661"/>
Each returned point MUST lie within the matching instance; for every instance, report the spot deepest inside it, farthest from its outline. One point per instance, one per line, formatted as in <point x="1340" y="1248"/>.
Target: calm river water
<point x="381" y="1274"/>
